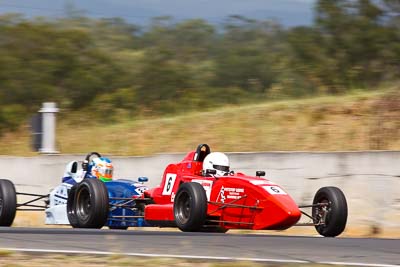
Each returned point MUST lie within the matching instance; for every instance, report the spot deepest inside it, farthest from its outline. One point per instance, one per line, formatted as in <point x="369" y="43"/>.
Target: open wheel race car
<point x="81" y="200"/>
<point x="194" y="199"/>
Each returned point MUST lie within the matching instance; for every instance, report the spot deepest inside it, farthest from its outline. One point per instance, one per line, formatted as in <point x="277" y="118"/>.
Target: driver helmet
<point x="102" y="169"/>
<point x="216" y="161"/>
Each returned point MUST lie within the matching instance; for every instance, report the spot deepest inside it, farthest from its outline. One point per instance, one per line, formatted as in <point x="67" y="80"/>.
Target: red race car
<point x="194" y="196"/>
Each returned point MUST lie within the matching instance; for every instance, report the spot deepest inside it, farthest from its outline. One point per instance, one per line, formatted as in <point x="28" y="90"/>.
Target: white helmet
<point x="216" y="161"/>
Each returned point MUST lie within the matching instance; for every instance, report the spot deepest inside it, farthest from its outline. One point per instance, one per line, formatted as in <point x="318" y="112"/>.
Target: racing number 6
<point x="275" y="189"/>
<point x="169" y="183"/>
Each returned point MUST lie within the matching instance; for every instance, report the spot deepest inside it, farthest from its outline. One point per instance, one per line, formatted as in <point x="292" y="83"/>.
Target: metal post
<point x="48" y="110"/>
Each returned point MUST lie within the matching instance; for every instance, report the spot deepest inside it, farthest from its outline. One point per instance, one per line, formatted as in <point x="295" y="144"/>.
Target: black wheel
<point x="90" y="204"/>
<point x="331" y="213"/>
<point x="71" y="214"/>
<point x="190" y="207"/>
<point x="8" y="202"/>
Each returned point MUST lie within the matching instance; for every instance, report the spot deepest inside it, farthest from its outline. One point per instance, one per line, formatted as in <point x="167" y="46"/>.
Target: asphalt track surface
<point x="253" y="247"/>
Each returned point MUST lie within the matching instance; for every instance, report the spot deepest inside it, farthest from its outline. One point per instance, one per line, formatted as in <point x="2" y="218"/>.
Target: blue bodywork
<point x="124" y="210"/>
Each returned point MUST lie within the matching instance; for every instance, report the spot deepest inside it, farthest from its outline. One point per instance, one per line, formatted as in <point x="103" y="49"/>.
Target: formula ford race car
<point x="196" y="199"/>
<point x="80" y="200"/>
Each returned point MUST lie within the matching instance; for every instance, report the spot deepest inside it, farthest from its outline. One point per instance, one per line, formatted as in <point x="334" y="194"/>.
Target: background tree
<point x="110" y="67"/>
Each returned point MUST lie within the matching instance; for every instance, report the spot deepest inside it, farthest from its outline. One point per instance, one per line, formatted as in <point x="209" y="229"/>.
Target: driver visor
<point x="221" y="168"/>
<point x="107" y="172"/>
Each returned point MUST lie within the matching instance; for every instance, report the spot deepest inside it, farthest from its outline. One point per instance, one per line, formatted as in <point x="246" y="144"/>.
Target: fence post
<point x="48" y="110"/>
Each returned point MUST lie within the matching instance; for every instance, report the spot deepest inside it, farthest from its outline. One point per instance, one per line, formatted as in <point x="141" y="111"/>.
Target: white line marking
<point x="198" y="257"/>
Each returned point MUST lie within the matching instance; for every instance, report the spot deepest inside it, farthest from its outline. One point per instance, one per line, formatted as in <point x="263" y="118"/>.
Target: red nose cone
<point x="293" y="216"/>
<point x="280" y="212"/>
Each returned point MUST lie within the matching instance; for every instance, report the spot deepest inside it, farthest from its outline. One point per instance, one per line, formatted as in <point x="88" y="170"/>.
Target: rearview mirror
<point x="143" y="179"/>
<point x="260" y="173"/>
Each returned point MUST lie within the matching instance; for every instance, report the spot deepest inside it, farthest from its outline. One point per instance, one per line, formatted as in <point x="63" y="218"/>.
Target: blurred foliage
<point x="108" y="67"/>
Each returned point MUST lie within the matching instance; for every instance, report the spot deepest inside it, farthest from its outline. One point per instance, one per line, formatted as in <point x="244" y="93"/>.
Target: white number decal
<point x="274" y="190"/>
<point x="169" y="183"/>
<point x="140" y="190"/>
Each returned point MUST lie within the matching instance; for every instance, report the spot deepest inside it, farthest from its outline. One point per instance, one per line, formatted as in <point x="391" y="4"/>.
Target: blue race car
<point x="87" y="198"/>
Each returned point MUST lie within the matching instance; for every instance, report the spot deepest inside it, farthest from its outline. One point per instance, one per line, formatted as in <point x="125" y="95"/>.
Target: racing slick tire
<point x="8" y="202"/>
<point x="335" y="213"/>
<point x="71" y="214"/>
<point x="90" y="204"/>
<point x="190" y="207"/>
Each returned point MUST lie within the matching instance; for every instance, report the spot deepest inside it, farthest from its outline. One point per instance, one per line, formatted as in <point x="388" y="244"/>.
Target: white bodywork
<point x="56" y="213"/>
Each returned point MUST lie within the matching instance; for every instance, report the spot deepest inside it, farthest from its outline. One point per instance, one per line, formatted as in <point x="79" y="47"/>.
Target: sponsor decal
<point x="207" y="185"/>
<point x="229" y="193"/>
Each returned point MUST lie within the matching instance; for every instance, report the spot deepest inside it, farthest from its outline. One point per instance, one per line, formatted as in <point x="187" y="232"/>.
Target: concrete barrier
<point x="370" y="179"/>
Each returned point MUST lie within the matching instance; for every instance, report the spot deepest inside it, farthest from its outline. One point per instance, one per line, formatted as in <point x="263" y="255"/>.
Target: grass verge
<point x="358" y="121"/>
<point x="43" y="260"/>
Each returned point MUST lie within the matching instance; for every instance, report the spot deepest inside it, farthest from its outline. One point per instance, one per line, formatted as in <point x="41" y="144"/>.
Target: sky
<point x="286" y="12"/>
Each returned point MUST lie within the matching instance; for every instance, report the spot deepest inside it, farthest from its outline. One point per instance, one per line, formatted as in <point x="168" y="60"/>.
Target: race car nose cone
<point x="280" y="212"/>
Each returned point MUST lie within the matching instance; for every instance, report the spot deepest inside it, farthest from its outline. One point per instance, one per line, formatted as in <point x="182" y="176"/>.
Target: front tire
<point x="332" y="214"/>
<point x="8" y="202"/>
<point x="90" y="204"/>
<point x="190" y="207"/>
<point x="71" y="214"/>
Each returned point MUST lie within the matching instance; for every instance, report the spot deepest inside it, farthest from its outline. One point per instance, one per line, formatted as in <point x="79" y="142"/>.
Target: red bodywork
<point x="235" y="201"/>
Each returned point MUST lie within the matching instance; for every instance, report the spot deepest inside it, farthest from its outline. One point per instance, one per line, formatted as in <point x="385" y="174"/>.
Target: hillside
<point x="357" y="121"/>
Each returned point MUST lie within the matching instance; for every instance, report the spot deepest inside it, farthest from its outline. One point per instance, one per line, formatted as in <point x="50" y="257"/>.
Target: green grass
<point x="327" y="123"/>
<point x="43" y="260"/>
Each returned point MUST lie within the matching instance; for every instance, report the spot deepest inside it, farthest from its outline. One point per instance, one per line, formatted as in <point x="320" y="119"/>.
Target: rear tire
<point x="190" y="207"/>
<point x="8" y="202"/>
<point x="335" y="213"/>
<point x="90" y="204"/>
